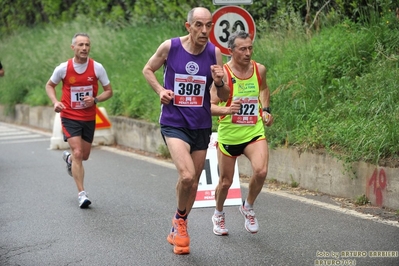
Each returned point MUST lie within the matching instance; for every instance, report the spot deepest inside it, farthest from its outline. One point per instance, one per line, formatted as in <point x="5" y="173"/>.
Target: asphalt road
<point x="133" y="203"/>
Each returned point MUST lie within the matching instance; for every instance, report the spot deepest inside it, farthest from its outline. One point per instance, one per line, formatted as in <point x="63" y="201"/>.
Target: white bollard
<point x="57" y="139"/>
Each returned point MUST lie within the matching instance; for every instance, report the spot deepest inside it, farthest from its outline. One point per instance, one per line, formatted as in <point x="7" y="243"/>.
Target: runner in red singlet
<point x="80" y="76"/>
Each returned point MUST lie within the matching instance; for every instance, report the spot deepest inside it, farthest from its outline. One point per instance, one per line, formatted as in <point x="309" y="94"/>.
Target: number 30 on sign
<point x="227" y="20"/>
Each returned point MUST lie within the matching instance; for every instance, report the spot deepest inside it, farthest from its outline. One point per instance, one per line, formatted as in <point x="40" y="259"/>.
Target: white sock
<point x="69" y="159"/>
<point x="218" y="213"/>
<point x="247" y="205"/>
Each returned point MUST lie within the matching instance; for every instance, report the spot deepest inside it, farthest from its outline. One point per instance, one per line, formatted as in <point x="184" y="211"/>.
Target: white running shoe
<point x="251" y="223"/>
<point x="84" y="201"/>
<point x="219" y="225"/>
<point x="65" y="157"/>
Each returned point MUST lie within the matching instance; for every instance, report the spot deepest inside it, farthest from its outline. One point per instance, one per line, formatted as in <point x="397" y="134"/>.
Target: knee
<point x="260" y="174"/>
<point x="225" y="183"/>
<point x="194" y="187"/>
<point x="187" y="181"/>
<point x="77" y="155"/>
<point x="85" y="155"/>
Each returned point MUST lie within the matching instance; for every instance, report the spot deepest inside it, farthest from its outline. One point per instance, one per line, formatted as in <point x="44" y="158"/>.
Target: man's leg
<point x="198" y="158"/>
<point x="226" y="174"/>
<point x="257" y="153"/>
<point x="77" y="161"/>
<point x="180" y="153"/>
<point x="80" y="152"/>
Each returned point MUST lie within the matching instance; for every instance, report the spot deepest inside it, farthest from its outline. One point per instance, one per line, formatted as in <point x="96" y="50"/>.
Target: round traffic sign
<point x="229" y="19"/>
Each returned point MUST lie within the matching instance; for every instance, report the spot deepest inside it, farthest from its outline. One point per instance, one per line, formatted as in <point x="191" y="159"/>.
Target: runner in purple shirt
<point x="192" y="67"/>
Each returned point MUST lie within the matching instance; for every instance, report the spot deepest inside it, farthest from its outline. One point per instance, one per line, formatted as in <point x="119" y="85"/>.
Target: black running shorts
<point x="73" y="128"/>
<point x="198" y="139"/>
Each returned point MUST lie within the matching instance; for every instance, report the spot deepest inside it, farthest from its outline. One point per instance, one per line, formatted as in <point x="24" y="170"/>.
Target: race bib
<point x="77" y="94"/>
<point x="248" y="114"/>
<point x="189" y="90"/>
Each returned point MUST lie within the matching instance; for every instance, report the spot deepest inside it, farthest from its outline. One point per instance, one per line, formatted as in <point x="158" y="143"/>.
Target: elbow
<point x="224" y="97"/>
<point x="213" y="109"/>
<point x="145" y="70"/>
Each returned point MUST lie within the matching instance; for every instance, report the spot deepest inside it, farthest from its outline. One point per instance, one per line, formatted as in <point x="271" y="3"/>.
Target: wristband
<point x="219" y="86"/>
<point x="267" y="109"/>
<point x="95" y="100"/>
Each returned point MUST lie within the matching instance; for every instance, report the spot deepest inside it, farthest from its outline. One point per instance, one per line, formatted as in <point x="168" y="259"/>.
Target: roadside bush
<point x="334" y="90"/>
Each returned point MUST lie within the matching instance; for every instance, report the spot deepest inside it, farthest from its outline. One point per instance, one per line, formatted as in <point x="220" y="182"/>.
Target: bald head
<point x="198" y="12"/>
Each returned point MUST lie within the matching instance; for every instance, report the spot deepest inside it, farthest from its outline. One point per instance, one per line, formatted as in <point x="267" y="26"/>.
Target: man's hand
<point x="235" y="106"/>
<point x="166" y="96"/>
<point x="88" y="101"/>
<point x="267" y="118"/>
<point x="58" y="107"/>
<point x="217" y="74"/>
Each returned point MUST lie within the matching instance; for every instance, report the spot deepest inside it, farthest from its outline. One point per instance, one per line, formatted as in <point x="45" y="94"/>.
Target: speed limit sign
<point x="229" y="19"/>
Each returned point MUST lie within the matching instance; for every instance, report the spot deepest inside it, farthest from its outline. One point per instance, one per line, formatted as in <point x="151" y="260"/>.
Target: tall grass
<point x="336" y="90"/>
<point x="30" y="57"/>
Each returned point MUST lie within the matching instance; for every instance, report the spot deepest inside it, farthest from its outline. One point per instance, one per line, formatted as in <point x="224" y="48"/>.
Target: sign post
<point x="227" y="20"/>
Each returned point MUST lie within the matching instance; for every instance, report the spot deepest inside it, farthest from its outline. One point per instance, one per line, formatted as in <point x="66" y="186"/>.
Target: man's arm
<point x="264" y="95"/>
<point x="50" y="89"/>
<point x="154" y="63"/>
<point x="219" y="85"/>
<point x="106" y="94"/>
<point x="264" y="89"/>
<point x="1" y="70"/>
<point x="105" y="83"/>
<point x="217" y="110"/>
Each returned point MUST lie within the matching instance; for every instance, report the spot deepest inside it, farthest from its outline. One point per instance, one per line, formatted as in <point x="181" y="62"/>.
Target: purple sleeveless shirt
<point x="189" y="76"/>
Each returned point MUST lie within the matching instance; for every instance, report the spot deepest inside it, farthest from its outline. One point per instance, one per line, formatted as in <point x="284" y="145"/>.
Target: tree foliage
<point x="117" y="13"/>
<point x="334" y="89"/>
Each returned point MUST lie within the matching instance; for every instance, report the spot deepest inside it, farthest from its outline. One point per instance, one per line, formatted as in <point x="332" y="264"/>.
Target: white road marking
<point x="27" y="136"/>
<point x="13" y="134"/>
<point x="265" y="190"/>
<point x="22" y="141"/>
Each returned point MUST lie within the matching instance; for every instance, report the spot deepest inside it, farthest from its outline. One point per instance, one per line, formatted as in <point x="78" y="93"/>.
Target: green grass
<point x="293" y="183"/>
<point x="335" y="90"/>
<point x="361" y="200"/>
<point x="30" y="57"/>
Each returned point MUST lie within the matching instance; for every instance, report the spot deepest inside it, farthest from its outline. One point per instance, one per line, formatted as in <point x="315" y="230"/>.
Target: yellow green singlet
<point x="247" y="124"/>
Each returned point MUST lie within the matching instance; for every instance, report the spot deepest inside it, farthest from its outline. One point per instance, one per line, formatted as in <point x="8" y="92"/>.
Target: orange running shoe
<point x="178" y="237"/>
<point x="170" y="236"/>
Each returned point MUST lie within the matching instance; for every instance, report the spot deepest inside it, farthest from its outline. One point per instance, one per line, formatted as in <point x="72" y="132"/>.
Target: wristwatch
<point x="95" y="100"/>
<point x="220" y="86"/>
<point x="267" y="109"/>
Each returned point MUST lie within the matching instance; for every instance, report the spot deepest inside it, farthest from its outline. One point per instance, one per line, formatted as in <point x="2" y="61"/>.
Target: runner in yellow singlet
<point x="241" y="130"/>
